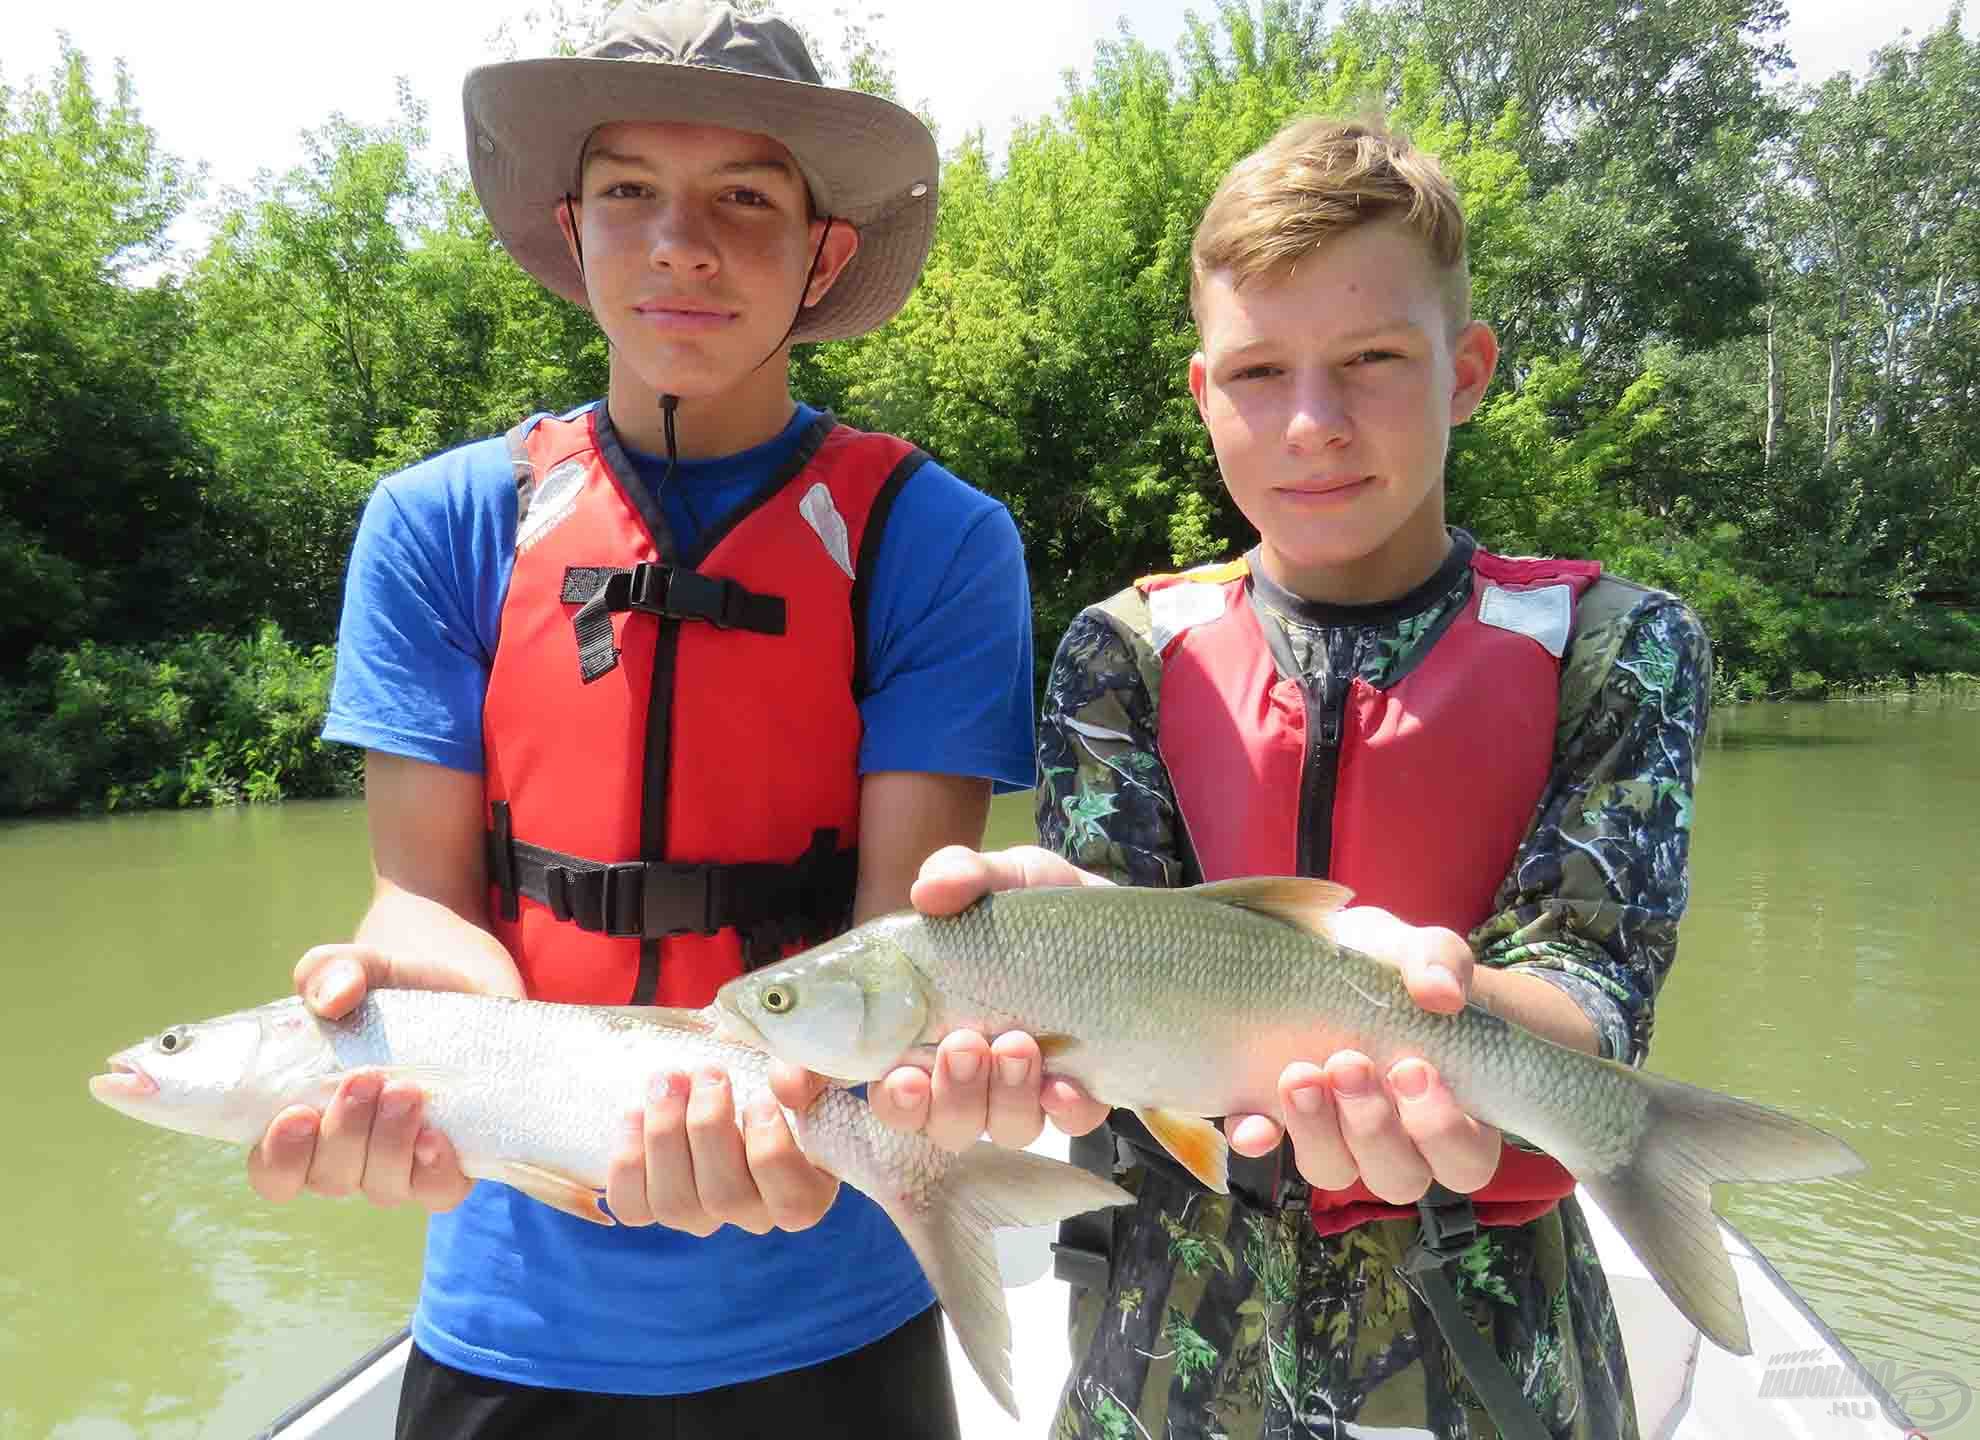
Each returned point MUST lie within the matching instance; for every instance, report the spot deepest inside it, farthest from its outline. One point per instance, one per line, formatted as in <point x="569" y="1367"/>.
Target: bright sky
<point x="232" y="82"/>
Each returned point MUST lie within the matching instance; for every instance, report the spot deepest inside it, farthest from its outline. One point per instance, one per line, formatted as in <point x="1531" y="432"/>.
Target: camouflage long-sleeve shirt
<point x="1593" y="899"/>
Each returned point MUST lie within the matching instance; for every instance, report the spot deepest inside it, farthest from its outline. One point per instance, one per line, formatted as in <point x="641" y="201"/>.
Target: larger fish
<point x="533" y="1095"/>
<point x="1185" y="1004"/>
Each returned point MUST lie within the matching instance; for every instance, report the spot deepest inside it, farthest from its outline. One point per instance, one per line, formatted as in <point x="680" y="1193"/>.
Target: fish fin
<point x="659" y="1017"/>
<point x="554" y="1188"/>
<point x="1298" y="901"/>
<point x="984" y="1189"/>
<point x="1660" y="1199"/>
<point x="1056" y="1047"/>
<point x="1196" y="1144"/>
<point x="428" y="1077"/>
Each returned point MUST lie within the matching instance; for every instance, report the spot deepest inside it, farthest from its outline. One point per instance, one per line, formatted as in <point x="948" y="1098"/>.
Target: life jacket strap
<point x="771" y="904"/>
<point x="1450" y="1226"/>
<point x="671" y="592"/>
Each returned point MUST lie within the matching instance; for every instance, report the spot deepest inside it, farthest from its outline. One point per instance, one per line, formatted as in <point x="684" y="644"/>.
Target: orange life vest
<point x="1416" y="796"/>
<point x="672" y="742"/>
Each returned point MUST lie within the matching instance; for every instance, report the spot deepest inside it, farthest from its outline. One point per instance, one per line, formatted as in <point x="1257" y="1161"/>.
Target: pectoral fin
<point x="557" y="1190"/>
<point x="1195" y="1143"/>
<point x="1294" y="899"/>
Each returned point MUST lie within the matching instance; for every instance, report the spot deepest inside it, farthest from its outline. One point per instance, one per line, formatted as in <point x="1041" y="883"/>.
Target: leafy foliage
<point x="1741" y="352"/>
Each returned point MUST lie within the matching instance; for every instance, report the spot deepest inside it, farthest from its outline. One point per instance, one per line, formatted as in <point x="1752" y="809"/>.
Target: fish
<point x="1183" y="1005"/>
<point x="534" y="1095"/>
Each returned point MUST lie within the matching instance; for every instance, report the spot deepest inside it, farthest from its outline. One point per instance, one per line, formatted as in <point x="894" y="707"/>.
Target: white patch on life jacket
<point x="1175" y="608"/>
<point x="554" y="502"/>
<point x="1543" y="614"/>
<point x="828" y="525"/>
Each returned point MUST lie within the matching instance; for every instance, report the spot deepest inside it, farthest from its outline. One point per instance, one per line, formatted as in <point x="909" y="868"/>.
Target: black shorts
<point x="897" y="1386"/>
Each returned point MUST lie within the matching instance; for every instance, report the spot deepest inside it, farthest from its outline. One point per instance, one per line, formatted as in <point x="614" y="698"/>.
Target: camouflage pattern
<point x="1224" y="1320"/>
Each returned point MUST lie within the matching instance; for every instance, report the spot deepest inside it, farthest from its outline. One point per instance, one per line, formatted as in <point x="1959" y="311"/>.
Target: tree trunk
<point x="1832" y="416"/>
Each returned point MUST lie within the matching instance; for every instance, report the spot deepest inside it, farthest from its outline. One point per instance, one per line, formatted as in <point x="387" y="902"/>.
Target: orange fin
<point x="553" y="1188"/>
<point x="1294" y="899"/>
<point x="1197" y="1145"/>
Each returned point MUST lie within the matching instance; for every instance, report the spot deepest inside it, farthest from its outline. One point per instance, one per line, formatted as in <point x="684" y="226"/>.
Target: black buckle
<point x="621" y="901"/>
<point x="678" y="899"/>
<point x="1077" y="1265"/>
<point x="1449" y="1228"/>
<point x="677" y="594"/>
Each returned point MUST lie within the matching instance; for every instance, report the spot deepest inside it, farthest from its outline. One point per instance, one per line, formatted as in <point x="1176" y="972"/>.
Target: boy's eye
<point x="1255" y="372"/>
<point x="751" y="198"/>
<point x="1369" y="357"/>
<point x="623" y="190"/>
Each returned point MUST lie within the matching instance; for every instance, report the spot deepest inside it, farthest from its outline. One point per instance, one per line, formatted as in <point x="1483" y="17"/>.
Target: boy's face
<point x="695" y="246"/>
<point x="1330" y="390"/>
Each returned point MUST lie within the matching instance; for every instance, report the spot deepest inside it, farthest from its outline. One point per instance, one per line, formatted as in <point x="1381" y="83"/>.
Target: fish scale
<point x="1187" y="1004"/>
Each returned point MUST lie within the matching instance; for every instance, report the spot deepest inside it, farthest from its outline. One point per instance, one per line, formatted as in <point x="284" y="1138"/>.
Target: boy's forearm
<point x="1534" y="1003"/>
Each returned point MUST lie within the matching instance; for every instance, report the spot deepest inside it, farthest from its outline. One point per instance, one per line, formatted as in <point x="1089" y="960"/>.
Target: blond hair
<point x="1316" y="179"/>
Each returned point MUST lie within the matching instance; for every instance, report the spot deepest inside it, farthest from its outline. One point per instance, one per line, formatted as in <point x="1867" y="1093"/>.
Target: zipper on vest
<point x="1326" y="717"/>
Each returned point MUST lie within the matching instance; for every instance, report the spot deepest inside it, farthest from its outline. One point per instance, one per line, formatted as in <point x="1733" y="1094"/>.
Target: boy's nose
<point x="1318" y="418"/>
<point x="681" y="241"/>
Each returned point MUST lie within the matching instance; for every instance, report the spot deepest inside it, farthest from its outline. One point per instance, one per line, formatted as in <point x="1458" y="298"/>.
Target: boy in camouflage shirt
<point x="1338" y="351"/>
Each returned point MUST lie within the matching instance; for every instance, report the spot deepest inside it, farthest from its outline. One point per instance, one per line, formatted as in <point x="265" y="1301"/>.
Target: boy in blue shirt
<point x="653" y="691"/>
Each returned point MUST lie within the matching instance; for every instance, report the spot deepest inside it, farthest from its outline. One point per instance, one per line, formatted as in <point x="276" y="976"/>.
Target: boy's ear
<point x="567" y="224"/>
<point x="1474" y="356"/>
<point x="840" y="247"/>
<point x="1199" y="377"/>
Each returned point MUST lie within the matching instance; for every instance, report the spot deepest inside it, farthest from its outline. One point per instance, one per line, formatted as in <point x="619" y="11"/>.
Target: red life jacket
<point x="1416" y="796"/>
<point x="672" y="743"/>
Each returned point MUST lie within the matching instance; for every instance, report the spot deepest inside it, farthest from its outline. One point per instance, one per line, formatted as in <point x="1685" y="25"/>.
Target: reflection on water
<point x="1827" y="966"/>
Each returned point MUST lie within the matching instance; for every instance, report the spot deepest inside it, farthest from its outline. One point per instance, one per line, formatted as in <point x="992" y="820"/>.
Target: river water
<point x="1827" y="966"/>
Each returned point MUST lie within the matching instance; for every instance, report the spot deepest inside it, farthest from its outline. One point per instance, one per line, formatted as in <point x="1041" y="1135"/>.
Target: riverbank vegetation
<point x="1742" y="355"/>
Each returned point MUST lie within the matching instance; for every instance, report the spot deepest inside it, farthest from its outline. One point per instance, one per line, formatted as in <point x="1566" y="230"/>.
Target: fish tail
<point x="1661" y="1199"/>
<point x="986" y="1189"/>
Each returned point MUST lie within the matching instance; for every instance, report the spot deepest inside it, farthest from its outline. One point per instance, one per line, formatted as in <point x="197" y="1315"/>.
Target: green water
<point x="1828" y="966"/>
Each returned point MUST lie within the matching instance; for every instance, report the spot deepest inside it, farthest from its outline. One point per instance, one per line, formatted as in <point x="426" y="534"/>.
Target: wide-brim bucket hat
<point x="868" y="161"/>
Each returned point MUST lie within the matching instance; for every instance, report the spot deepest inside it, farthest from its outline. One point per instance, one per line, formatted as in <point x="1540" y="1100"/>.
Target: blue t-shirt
<point x="514" y="1289"/>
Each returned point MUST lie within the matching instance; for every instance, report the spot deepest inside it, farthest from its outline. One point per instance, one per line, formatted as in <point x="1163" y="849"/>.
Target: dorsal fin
<point x="1302" y="903"/>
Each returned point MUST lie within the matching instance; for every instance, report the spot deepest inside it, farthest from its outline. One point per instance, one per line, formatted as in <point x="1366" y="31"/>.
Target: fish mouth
<point x="731" y="1027"/>
<point x="125" y="1081"/>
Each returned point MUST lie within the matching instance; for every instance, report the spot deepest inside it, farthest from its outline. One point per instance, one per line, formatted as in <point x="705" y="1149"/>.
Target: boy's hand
<point x="1398" y="1132"/>
<point x="369" y="1140"/>
<point x="978" y="1087"/>
<point x="685" y="1164"/>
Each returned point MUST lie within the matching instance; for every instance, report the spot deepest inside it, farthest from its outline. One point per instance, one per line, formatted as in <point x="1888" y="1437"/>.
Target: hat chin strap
<point x="669" y="403"/>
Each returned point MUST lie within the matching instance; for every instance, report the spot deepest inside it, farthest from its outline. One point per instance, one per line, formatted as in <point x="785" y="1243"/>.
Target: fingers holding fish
<point x="278" y="1165"/>
<point x="388" y="1155"/>
<point x="955" y="876"/>
<point x="1072" y="1110"/>
<point x="795" y="1193"/>
<point x="1016" y="1072"/>
<point x="649" y="1179"/>
<point x="337" y="1169"/>
<point x="1436" y="963"/>
<point x="1320" y="1152"/>
<point x="438" y="1182"/>
<point x="1386" y="1158"/>
<point x="1463" y="1153"/>
<point x="959" y="1091"/>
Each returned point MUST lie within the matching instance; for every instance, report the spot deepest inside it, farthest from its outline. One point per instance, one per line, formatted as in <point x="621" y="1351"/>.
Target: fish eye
<point x="779" y="999"/>
<point x="175" y="1040"/>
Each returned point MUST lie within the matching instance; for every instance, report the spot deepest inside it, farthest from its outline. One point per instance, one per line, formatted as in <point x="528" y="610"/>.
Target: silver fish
<point x="1187" y="1004"/>
<point x="534" y="1095"/>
